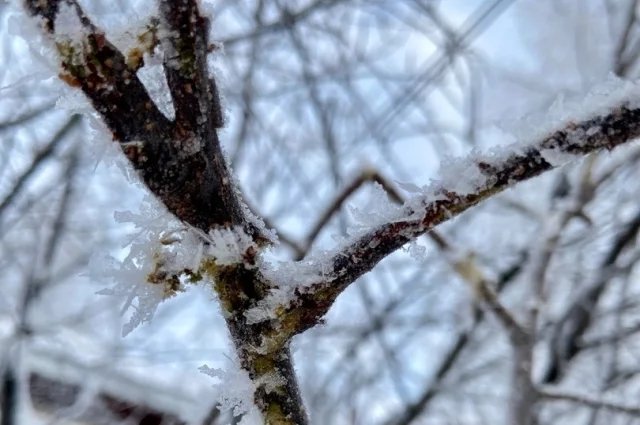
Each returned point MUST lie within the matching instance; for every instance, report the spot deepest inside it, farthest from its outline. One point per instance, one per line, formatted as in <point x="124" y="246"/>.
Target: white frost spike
<point x="409" y="187"/>
<point x="417" y="251"/>
<point x="131" y="282"/>
<point x="68" y="24"/>
<point x="557" y="158"/>
<point x="457" y="176"/>
<point x="228" y="246"/>
<point x="381" y="211"/>
<point x="236" y="388"/>
<point x="160" y="245"/>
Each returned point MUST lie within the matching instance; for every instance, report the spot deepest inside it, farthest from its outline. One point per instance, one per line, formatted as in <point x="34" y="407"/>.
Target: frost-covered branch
<point x="180" y="160"/>
<point x="90" y="62"/>
<point x="464" y="184"/>
<point x="464" y="266"/>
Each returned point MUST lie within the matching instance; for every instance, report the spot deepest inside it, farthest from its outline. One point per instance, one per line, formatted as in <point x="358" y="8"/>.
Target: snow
<point x="383" y="211"/>
<point x="565" y="109"/>
<point x="266" y="308"/>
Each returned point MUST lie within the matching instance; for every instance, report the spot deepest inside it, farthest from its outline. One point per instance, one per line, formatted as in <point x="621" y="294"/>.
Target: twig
<point x="450" y="359"/>
<point x="180" y="161"/>
<point x="553" y="395"/>
<point x="38" y="160"/>
<point x="182" y="164"/>
<point x="365" y="176"/>
<point x="569" y="328"/>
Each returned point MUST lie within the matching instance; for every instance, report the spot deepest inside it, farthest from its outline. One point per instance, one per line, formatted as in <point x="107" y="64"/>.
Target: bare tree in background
<point x="549" y="268"/>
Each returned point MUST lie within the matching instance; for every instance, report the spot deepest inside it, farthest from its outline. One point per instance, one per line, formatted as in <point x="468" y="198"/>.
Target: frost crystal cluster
<point x="163" y="256"/>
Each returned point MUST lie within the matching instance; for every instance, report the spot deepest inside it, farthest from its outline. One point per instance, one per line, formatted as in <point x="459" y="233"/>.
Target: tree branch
<point x="571" y="326"/>
<point x="454" y="354"/>
<point x="182" y="164"/>
<point x="180" y="161"/>
<point x="589" y="402"/>
<point x="38" y="160"/>
<point x="198" y="110"/>
<point x="442" y="203"/>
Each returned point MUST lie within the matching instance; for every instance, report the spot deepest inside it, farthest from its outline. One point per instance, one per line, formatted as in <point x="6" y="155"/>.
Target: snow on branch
<point x="91" y="63"/>
<point x="607" y="118"/>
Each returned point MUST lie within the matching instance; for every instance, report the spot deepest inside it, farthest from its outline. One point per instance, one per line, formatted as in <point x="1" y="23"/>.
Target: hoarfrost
<point x="131" y="282"/>
<point x="410" y="187"/>
<point x="416" y="251"/>
<point x="382" y="211"/>
<point x="286" y="276"/>
<point x="462" y="177"/>
<point x="103" y="149"/>
<point x="154" y="79"/>
<point x="556" y="158"/>
<point x="228" y="246"/>
<point x="270" y="234"/>
<point x="68" y="25"/>
<point x="160" y="248"/>
<point x="601" y="99"/>
<point x="267" y="308"/>
<point x="236" y="388"/>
